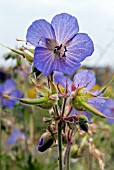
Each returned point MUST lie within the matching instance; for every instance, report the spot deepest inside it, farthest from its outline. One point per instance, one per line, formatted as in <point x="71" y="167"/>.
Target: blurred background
<point x="23" y="123"/>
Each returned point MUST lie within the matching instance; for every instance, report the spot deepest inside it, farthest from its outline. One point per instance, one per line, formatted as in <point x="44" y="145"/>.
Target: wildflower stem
<point x="68" y="158"/>
<point x="56" y="110"/>
<point x="60" y="144"/>
<point x="63" y="106"/>
<point x="67" y="152"/>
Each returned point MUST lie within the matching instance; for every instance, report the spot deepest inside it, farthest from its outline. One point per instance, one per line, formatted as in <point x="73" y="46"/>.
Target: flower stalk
<point x="67" y="152"/>
<point x="60" y="145"/>
<point x="68" y="158"/>
<point x="63" y="106"/>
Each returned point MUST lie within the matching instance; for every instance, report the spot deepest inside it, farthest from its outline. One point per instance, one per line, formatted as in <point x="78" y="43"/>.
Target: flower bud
<point x="80" y="99"/>
<point x="46" y="140"/>
<point x="29" y="56"/>
<point x="78" y="96"/>
<point x="83" y="122"/>
<point x="48" y="98"/>
<point x="13" y="50"/>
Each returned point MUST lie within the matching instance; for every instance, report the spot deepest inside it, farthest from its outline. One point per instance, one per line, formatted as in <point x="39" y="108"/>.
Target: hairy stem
<point x="60" y="144"/>
<point x="56" y="110"/>
<point x="67" y="152"/>
<point x="68" y="159"/>
<point x="63" y="106"/>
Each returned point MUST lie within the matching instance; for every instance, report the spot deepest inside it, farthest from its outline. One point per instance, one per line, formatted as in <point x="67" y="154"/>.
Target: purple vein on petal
<point x="38" y="32"/>
<point x="65" y="27"/>
<point x="43" y="60"/>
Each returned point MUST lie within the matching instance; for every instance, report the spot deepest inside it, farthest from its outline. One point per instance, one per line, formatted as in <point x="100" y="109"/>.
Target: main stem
<point x="60" y="144"/>
<point x="68" y="159"/>
<point x="63" y="106"/>
<point x="67" y="152"/>
<point x="60" y="136"/>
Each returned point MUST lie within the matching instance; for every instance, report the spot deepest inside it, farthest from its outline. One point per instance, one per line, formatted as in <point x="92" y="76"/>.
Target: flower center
<point x="59" y="51"/>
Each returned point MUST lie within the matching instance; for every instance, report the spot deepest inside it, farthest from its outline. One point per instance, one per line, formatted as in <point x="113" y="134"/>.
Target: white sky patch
<point x="95" y="17"/>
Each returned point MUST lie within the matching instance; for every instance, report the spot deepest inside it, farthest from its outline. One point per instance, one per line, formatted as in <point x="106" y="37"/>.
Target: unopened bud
<point x="80" y="102"/>
<point x="46" y="140"/>
<point x="29" y="56"/>
<point x="83" y="122"/>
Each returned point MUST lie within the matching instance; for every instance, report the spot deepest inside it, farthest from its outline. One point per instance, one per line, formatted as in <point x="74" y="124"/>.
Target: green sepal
<point x="80" y="102"/>
<point x="91" y="108"/>
<point x="38" y="101"/>
<point x="48" y="104"/>
<point x="83" y="96"/>
<point x="43" y="102"/>
<point x="53" y="88"/>
<point x="29" y="57"/>
<point x="77" y="104"/>
<point x="28" y="101"/>
<point x="14" y="50"/>
<point x="31" y="50"/>
<point x="44" y="91"/>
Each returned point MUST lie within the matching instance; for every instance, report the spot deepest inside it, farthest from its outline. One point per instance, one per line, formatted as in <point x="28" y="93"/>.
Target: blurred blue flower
<point x="83" y="79"/>
<point x="15" y="136"/>
<point x="109" y="110"/>
<point x="58" y="46"/>
<point x="60" y="78"/>
<point x="9" y="88"/>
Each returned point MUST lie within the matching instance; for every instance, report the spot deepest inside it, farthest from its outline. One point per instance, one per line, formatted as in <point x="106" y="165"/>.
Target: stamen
<point x="55" y="50"/>
<point x="60" y="51"/>
<point x="65" y="48"/>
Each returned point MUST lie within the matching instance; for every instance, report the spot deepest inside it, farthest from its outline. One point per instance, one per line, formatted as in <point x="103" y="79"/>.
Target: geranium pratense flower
<point x="9" y="88"/>
<point x="81" y="87"/>
<point x="59" y="46"/>
<point x="15" y="136"/>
